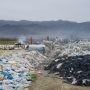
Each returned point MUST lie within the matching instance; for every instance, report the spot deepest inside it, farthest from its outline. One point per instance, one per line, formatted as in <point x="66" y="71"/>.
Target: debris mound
<point x="18" y="70"/>
<point x="74" y="69"/>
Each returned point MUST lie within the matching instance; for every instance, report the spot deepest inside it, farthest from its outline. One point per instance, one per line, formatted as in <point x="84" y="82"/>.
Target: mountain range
<point x="54" y="28"/>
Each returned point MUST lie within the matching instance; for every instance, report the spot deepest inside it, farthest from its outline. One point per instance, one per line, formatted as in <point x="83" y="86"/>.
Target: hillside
<point x="56" y="28"/>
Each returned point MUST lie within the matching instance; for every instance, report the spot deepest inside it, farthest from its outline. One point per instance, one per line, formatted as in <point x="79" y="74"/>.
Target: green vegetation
<point x="4" y="41"/>
<point x="33" y="76"/>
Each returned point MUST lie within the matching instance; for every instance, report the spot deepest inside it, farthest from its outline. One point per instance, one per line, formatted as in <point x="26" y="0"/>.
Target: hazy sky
<point x="42" y="10"/>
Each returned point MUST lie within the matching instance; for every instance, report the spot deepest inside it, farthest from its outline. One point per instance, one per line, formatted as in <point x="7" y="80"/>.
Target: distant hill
<point x="54" y="28"/>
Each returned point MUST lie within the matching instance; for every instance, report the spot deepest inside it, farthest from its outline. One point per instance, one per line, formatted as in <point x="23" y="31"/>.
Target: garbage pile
<point x="74" y="48"/>
<point x="17" y="69"/>
<point x="74" y="69"/>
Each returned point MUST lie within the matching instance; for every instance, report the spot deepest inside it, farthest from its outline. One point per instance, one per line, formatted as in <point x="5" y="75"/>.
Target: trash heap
<point x="74" y="48"/>
<point x="74" y="69"/>
<point x="17" y="70"/>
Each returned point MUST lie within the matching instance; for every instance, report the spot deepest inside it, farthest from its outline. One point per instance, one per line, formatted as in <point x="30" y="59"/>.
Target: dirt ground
<point x="52" y="82"/>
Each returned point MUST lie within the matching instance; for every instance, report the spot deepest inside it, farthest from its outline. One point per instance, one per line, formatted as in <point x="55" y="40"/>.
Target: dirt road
<point x="49" y="82"/>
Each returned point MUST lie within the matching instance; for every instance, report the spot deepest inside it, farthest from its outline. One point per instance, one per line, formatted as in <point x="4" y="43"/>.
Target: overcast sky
<point x="43" y="10"/>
